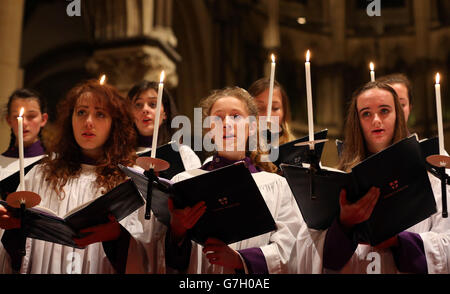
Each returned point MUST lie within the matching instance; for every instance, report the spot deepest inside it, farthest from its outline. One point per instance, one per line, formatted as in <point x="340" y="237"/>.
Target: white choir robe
<point x="188" y="156"/>
<point x="49" y="258"/>
<point x="146" y="251"/>
<point x="434" y="231"/>
<point x="276" y="245"/>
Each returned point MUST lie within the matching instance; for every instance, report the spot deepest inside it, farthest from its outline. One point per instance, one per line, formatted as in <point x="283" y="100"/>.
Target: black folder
<point x="296" y="155"/>
<point x="339" y="147"/>
<point x="43" y="224"/>
<point x="9" y="184"/>
<point x="235" y="208"/>
<point x="406" y="196"/>
<point x="161" y="191"/>
<point x="168" y="153"/>
<point x="429" y="146"/>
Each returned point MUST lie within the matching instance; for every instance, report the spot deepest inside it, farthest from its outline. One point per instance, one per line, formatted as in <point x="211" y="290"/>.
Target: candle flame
<point x="273" y="58"/>
<point x="438" y="78"/>
<point x="22" y="110"/>
<point x="102" y="80"/>
<point x="372" y="67"/>
<point x="161" y="79"/>
<point x="308" y="55"/>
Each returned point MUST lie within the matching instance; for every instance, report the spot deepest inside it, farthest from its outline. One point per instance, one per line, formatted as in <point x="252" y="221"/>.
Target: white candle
<point x="437" y="88"/>
<point x="309" y="97"/>
<point x="157" y="115"/>
<point x="272" y="79"/>
<point x="21" y="156"/>
<point x="372" y="72"/>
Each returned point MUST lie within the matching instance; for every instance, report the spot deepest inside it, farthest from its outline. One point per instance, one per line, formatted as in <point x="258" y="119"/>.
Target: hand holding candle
<point x="21" y="155"/>
<point x="372" y="72"/>
<point x="157" y="115"/>
<point x="437" y="88"/>
<point x="309" y="99"/>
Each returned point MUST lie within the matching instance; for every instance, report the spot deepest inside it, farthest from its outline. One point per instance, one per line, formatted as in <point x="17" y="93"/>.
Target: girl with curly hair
<point x="94" y="133"/>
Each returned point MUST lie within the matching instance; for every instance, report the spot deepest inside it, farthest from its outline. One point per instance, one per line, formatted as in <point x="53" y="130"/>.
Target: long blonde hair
<point x="207" y="103"/>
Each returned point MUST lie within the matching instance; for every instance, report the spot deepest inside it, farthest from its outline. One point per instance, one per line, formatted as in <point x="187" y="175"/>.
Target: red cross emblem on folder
<point x="223" y="201"/>
<point x="394" y="184"/>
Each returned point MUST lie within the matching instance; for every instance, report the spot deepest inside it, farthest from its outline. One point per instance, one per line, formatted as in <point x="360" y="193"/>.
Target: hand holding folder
<point x="44" y="224"/>
<point x="399" y="171"/>
<point x="235" y="208"/>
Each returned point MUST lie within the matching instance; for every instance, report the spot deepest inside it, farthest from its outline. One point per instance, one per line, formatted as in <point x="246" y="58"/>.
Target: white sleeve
<point x="146" y="251"/>
<point x="190" y="159"/>
<point x="437" y="241"/>
<point x="288" y="222"/>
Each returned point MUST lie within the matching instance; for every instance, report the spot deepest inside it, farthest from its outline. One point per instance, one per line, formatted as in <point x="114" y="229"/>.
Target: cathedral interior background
<point x="209" y="44"/>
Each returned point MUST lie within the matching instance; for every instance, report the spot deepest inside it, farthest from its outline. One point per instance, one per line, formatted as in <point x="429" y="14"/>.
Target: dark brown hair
<point x="263" y="84"/>
<point x="399" y="78"/>
<point x="165" y="131"/>
<point x="24" y="94"/>
<point x="64" y="161"/>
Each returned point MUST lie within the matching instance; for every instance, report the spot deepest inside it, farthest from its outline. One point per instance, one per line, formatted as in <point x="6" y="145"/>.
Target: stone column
<point x="271" y="34"/>
<point x="329" y="99"/>
<point x="140" y="46"/>
<point x="11" y="18"/>
<point x="330" y="102"/>
<point x="424" y="107"/>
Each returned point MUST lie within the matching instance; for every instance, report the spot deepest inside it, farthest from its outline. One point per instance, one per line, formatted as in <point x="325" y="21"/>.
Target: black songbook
<point x="9" y="184"/>
<point x="161" y="191"/>
<point x="429" y="146"/>
<point x="168" y="153"/>
<point x="235" y="208"/>
<point x="43" y="224"/>
<point x="339" y="147"/>
<point x="296" y="155"/>
<point x="406" y="197"/>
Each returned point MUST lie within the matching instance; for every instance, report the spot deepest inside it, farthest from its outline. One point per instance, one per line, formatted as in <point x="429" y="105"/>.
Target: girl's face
<point x="91" y="125"/>
<point x="376" y="112"/>
<point x="144" y="112"/>
<point x="402" y="93"/>
<point x="230" y="126"/>
<point x="262" y="101"/>
<point x="33" y="119"/>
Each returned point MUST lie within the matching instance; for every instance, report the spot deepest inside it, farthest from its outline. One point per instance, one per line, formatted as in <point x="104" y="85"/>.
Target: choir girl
<point x="94" y="133"/>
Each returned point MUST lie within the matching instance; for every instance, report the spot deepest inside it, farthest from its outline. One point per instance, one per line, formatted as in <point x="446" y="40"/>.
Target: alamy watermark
<point x="74" y="8"/>
<point x="228" y="134"/>
<point x="374" y="8"/>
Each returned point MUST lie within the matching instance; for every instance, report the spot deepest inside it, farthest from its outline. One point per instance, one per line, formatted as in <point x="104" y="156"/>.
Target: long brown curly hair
<point x="207" y="103"/>
<point x="65" y="156"/>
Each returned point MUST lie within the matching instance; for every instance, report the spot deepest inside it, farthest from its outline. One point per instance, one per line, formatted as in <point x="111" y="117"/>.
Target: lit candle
<point x="272" y="79"/>
<point x="157" y="115"/>
<point x="372" y="72"/>
<point x="21" y="156"/>
<point x="437" y="88"/>
<point x="309" y="98"/>
<point x="102" y="79"/>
